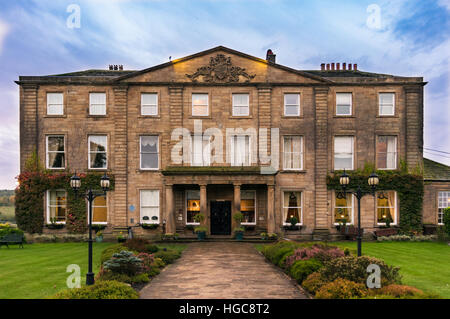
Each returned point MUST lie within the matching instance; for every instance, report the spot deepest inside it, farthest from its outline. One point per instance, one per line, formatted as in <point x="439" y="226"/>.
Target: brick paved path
<point x="221" y="270"/>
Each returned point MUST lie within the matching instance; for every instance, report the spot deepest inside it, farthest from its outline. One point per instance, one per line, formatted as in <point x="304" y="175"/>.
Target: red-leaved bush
<point x="320" y="252"/>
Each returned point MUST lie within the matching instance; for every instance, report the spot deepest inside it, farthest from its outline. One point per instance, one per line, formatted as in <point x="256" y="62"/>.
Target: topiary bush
<point x="342" y="289"/>
<point x="124" y="263"/>
<point x="355" y="269"/>
<point x="168" y="256"/>
<point x="313" y="282"/>
<point x="303" y="268"/>
<point x="100" y="290"/>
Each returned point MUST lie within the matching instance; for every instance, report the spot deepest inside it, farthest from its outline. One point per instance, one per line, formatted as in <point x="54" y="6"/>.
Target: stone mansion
<point x="220" y="132"/>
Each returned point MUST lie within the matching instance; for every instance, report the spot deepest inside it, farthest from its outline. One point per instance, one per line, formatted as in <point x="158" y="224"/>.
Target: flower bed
<point x="328" y="272"/>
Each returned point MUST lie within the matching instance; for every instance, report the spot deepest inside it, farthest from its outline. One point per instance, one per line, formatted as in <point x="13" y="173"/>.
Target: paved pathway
<point x="221" y="271"/>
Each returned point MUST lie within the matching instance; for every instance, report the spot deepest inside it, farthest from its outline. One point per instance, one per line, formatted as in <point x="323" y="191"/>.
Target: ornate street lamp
<point x="344" y="180"/>
<point x="75" y="183"/>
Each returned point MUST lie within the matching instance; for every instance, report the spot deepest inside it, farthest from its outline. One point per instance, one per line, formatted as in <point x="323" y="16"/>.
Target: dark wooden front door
<point x="220" y="217"/>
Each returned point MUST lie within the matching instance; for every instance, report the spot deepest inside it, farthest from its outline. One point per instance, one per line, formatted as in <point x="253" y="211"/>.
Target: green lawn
<point x="425" y="265"/>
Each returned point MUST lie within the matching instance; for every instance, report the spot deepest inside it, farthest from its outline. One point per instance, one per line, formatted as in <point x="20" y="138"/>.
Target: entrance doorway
<point x="220" y="217"/>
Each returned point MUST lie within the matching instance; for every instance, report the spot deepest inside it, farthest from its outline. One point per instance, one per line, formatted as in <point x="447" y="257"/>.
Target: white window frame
<point x="140" y="153"/>
<point x="335" y="153"/>
<point x="297" y="105"/>
<point x="254" y="199"/>
<point x="48" y="205"/>
<point x="207" y="104"/>
<point x="395" y="153"/>
<point x="351" y="103"/>
<point x="59" y="105"/>
<point x="91" y="104"/>
<point x="149" y="105"/>
<point x="291" y="153"/>
<point x="150" y="221"/>
<point x="89" y="153"/>
<point x="89" y="212"/>
<point x="394" y="222"/>
<point x="380" y="104"/>
<point x="47" y="152"/>
<point x="447" y="196"/>
<point x="240" y="107"/>
<point x="232" y="145"/>
<point x="186" y="206"/>
<point x="352" y="207"/>
<point x="300" y="223"/>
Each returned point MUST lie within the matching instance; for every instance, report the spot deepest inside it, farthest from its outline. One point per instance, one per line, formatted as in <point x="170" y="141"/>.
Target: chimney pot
<point x="322" y="66"/>
<point x="270" y="57"/>
<point x="328" y="66"/>
<point x="111" y="67"/>
<point x="338" y="66"/>
<point x="121" y="67"/>
<point x="344" y="66"/>
<point x="355" y="67"/>
<point x="332" y="66"/>
<point x="349" y="66"/>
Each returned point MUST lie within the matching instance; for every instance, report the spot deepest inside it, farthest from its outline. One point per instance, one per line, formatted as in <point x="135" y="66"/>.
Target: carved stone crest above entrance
<point x="220" y="70"/>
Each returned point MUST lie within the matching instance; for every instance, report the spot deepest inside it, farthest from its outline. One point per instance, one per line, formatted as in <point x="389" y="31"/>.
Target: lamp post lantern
<point x="344" y="180"/>
<point x="75" y="183"/>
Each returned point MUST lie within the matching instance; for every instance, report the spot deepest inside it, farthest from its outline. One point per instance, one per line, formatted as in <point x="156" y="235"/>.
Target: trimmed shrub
<point x="313" y="282"/>
<point x="319" y="252"/>
<point x="158" y="262"/>
<point x="398" y="291"/>
<point x="105" y="275"/>
<point x="137" y="244"/>
<point x="168" y="256"/>
<point x="341" y="289"/>
<point x="124" y="263"/>
<point x="279" y="250"/>
<point x="111" y="250"/>
<point x="303" y="268"/>
<point x="355" y="269"/>
<point x="100" y="290"/>
<point x="150" y="249"/>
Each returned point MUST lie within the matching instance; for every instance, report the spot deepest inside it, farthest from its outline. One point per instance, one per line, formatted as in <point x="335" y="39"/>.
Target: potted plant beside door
<point x="239" y="230"/>
<point x="200" y="230"/>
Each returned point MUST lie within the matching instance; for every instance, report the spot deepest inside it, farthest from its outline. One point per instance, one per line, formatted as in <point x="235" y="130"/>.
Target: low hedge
<point x="100" y="290"/>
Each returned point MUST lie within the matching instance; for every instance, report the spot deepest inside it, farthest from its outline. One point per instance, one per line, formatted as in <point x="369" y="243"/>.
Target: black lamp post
<point x="344" y="180"/>
<point x="75" y="183"/>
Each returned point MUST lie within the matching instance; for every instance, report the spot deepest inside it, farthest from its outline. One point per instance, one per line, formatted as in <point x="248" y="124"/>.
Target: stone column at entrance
<point x="204" y="204"/>
<point x="170" y="210"/>
<point x="270" y="209"/>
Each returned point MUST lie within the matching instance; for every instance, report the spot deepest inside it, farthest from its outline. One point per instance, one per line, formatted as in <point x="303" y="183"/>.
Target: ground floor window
<point x="192" y="205"/>
<point x="149" y="206"/>
<point x="443" y="203"/>
<point x="387" y="207"/>
<point x="100" y="210"/>
<point x="248" y="207"/>
<point x="292" y="206"/>
<point x="343" y="209"/>
<point x="56" y="206"/>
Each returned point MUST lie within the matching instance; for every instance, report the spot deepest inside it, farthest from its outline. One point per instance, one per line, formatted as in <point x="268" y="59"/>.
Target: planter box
<point x="386" y="232"/>
<point x="292" y="228"/>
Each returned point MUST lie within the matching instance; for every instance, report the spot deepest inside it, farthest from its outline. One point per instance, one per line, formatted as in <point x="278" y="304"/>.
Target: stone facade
<point x="265" y="83"/>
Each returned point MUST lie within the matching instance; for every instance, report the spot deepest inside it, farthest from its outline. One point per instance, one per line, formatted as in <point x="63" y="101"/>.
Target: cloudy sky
<point x="409" y="38"/>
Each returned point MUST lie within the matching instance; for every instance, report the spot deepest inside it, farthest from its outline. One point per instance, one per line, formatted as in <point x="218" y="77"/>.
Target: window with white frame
<point x="248" y="207"/>
<point x="241" y="105"/>
<point x="100" y="210"/>
<point x="201" y="150"/>
<point x="343" y="103"/>
<point x="343" y="209"/>
<point x="55" y="104"/>
<point x="149" y="152"/>
<point x="97" y="145"/>
<point x="192" y="206"/>
<point x="55" y="152"/>
<point x="293" y="152"/>
<point x="97" y="103"/>
<point x="149" y="104"/>
<point x="240" y="150"/>
<point x="343" y="152"/>
<point x="386" y="104"/>
<point x="387" y="207"/>
<point x="443" y="203"/>
<point x="149" y="206"/>
<point x="387" y="152"/>
<point x="291" y="104"/>
<point x="200" y="105"/>
<point x="56" y="206"/>
<point x="292" y="207"/>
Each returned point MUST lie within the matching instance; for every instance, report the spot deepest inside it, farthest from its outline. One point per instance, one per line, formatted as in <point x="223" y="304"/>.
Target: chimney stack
<point x="270" y="57"/>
